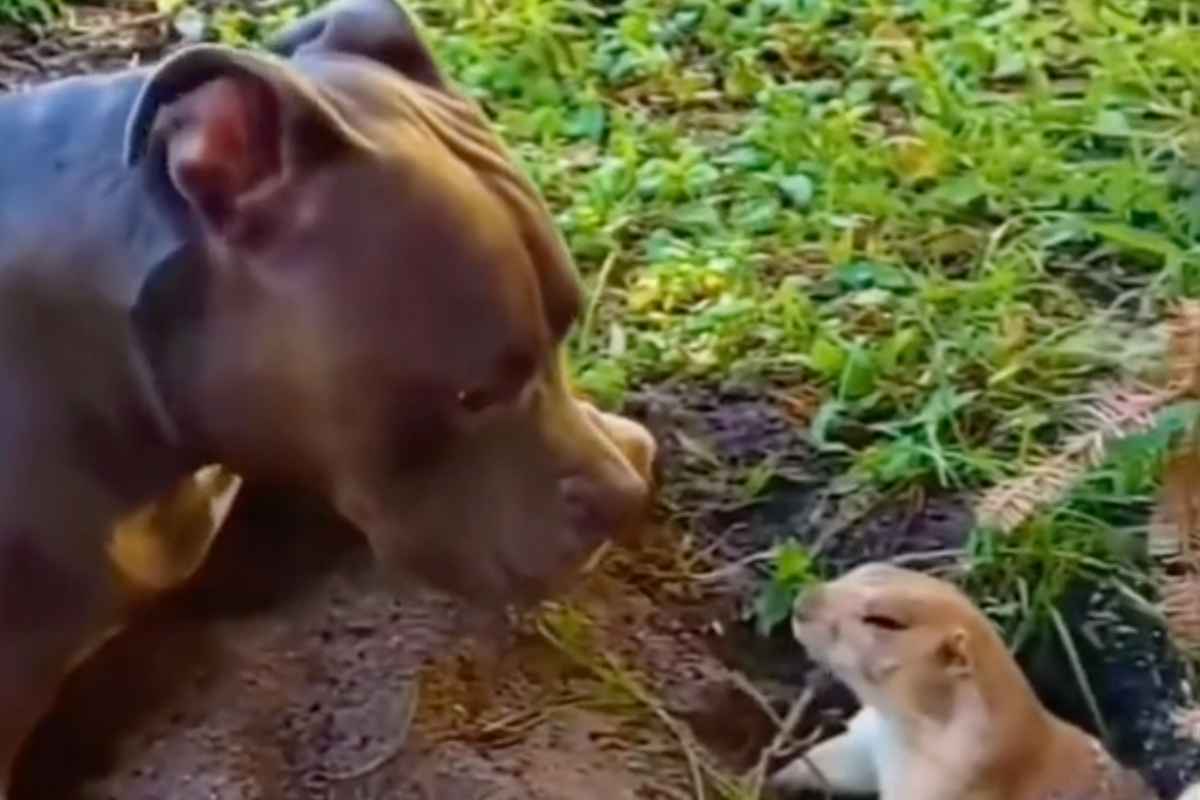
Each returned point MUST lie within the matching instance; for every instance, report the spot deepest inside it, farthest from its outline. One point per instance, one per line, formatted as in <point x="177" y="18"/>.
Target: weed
<point x="792" y="570"/>
<point x="29" y="12"/>
<point x="922" y="216"/>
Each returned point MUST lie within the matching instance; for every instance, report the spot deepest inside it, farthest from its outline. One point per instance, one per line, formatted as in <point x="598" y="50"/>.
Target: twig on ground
<point x="758" y="775"/>
<point x="918" y="556"/>
<point x="726" y="571"/>
<point x="839" y="527"/>
<point x="613" y="673"/>
<point x="769" y="553"/>
<point x="82" y="35"/>
<point x="682" y="735"/>
<point x="1081" y="678"/>
<point x="17" y="65"/>
<point x="751" y="691"/>
<point x="585" y="332"/>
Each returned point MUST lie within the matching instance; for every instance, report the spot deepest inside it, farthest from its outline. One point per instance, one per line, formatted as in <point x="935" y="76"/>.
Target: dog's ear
<point x="219" y="123"/>
<point x="380" y="30"/>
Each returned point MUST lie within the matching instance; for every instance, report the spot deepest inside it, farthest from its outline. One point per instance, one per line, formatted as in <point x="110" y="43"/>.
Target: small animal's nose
<point x="606" y="506"/>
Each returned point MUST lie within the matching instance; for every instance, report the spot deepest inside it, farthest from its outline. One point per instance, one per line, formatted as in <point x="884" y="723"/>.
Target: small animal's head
<point x="375" y="304"/>
<point x="901" y="640"/>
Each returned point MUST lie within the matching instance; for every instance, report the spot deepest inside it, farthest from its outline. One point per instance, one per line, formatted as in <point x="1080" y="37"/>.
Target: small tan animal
<point x="946" y="713"/>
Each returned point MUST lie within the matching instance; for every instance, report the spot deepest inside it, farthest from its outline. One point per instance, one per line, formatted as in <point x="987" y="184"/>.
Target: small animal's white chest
<point x="906" y="772"/>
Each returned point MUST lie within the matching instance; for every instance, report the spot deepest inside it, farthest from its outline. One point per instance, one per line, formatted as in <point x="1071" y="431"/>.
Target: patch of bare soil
<point x="288" y="671"/>
<point x="92" y="38"/>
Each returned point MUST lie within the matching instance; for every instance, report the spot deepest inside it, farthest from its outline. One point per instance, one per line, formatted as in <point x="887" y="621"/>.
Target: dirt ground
<point x="289" y="671"/>
<point x="307" y="689"/>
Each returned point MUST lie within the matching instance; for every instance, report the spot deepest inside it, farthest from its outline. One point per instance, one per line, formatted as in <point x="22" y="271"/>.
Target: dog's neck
<point x="167" y="320"/>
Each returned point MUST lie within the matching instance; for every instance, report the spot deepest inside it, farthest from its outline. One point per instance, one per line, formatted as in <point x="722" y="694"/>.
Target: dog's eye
<point x="881" y="621"/>
<point x="476" y="400"/>
<point x="503" y="385"/>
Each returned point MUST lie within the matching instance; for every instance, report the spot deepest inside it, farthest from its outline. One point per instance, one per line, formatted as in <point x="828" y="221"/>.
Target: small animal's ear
<point x="954" y="653"/>
<point x="219" y="123"/>
<point x="380" y="30"/>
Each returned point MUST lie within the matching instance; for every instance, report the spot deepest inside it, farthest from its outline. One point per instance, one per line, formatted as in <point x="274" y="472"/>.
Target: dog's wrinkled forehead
<point x="356" y="79"/>
<point x="380" y="103"/>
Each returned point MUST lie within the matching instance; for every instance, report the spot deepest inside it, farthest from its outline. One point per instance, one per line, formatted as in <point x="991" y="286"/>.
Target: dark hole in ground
<point x="1139" y="679"/>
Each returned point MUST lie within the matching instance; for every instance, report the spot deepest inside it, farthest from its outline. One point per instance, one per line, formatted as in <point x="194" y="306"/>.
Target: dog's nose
<point x="806" y="604"/>
<point x="607" y="506"/>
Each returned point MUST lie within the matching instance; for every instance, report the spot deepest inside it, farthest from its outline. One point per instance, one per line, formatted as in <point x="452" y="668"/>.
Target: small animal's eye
<point x="884" y="622"/>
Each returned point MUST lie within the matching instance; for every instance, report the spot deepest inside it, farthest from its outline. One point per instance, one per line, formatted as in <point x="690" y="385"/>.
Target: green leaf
<point x="859" y="275"/>
<point x="1009" y="64"/>
<point x="1111" y="122"/>
<point x="1083" y="14"/>
<point x="962" y="190"/>
<point x="798" y="189"/>
<point x="819" y="428"/>
<point x="901" y="346"/>
<point x="1168" y="425"/>
<point x="772" y="606"/>
<point x="758" y="215"/>
<point x="1129" y="238"/>
<point x="589" y="122"/>
<point x="793" y="565"/>
<point x="759" y="478"/>
<point x="899" y="460"/>
<point x="793" y="569"/>
<point x="605" y="381"/>
<point x="826" y="358"/>
<point x="858" y="374"/>
<point x="745" y="158"/>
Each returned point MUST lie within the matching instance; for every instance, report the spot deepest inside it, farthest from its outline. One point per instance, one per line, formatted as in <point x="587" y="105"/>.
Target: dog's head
<point x="376" y="304"/>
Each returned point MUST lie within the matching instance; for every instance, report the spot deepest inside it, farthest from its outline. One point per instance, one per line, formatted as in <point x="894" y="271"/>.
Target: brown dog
<point x="946" y="712"/>
<point x="317" y="267"/>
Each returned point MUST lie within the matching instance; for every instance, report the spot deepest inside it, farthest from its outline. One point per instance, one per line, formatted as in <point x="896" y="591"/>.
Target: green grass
<point x="28" y="12"/>
<point x="926" y="209"/>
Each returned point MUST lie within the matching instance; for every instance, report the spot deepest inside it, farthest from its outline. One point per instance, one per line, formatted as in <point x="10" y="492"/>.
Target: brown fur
<point x="317" y="266"/>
